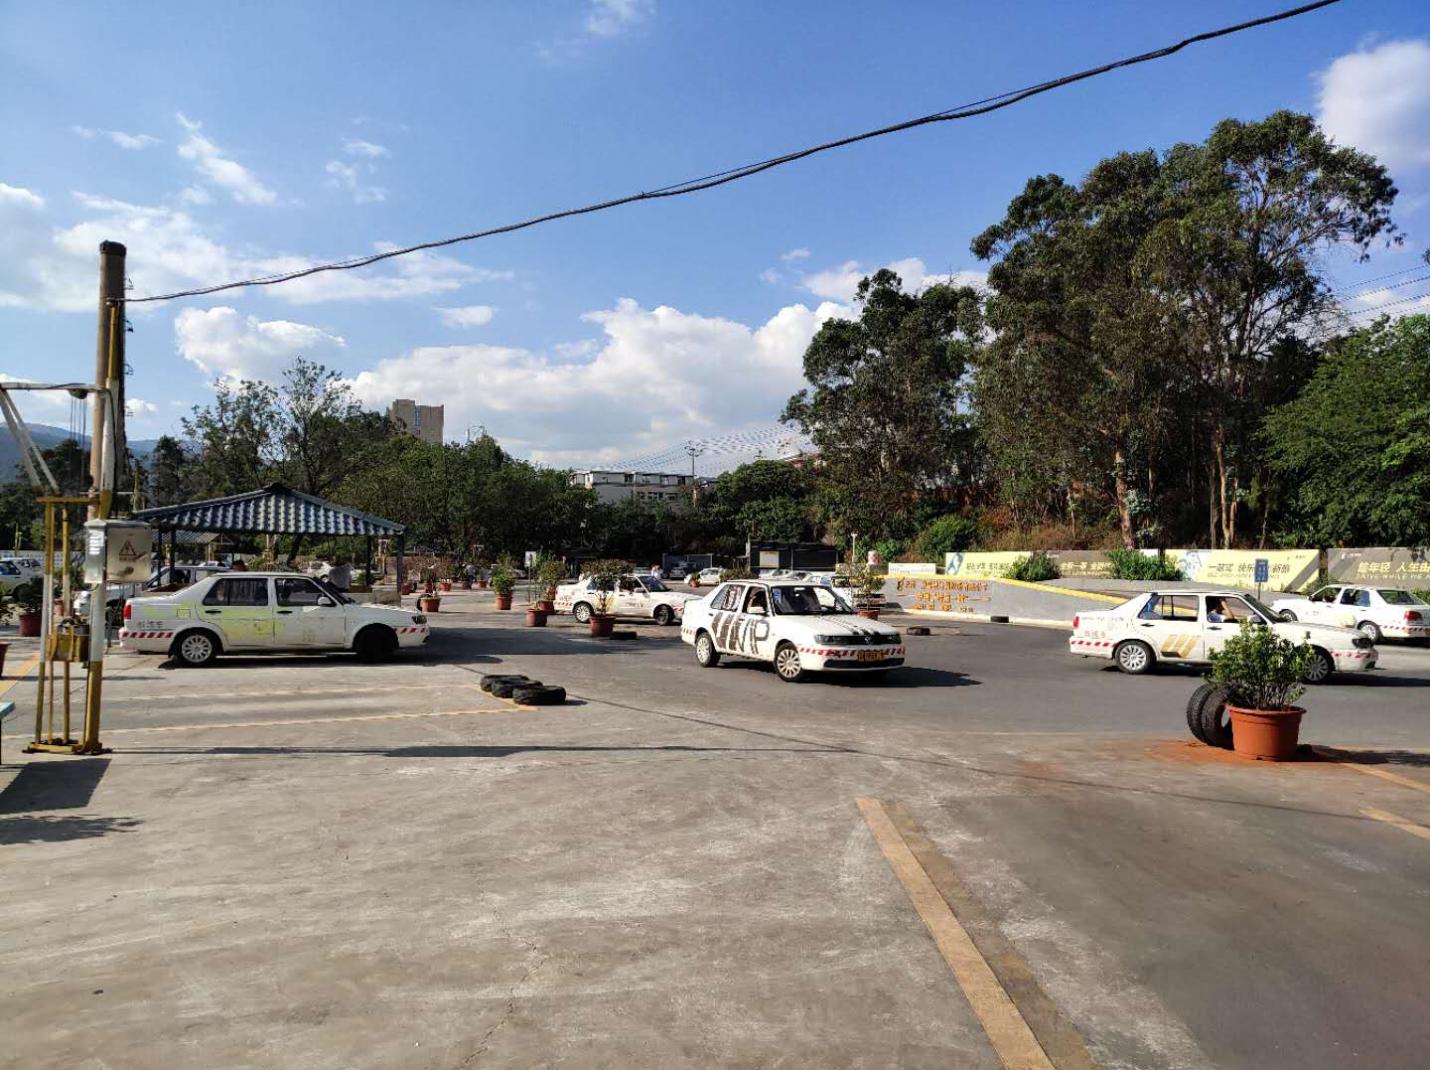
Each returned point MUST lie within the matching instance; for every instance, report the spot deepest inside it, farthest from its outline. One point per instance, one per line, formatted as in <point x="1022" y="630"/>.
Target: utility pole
<point x="108" y="353"/>
<point x="693" y="451"/>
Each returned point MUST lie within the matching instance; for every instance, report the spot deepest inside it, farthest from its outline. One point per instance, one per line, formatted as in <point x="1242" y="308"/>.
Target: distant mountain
<point x="45" y="436"/>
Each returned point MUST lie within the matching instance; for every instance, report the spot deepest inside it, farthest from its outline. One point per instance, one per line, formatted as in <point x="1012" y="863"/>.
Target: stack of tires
<point x="1207" y="716"/>
<point x="523" y="690"/>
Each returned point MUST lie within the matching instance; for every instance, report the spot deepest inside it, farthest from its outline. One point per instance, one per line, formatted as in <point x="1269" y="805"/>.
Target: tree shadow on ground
<point x="58" y="828"/>
<point x="471" y="751"/>
<point x="1416" y="759"/>
<point x="53" y="785"/>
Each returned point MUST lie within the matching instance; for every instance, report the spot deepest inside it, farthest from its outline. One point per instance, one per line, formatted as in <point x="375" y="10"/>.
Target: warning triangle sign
<point x="127" y="551"/>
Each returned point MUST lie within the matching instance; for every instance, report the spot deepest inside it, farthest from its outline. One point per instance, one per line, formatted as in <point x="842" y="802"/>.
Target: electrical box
<point x="117" y="551"/>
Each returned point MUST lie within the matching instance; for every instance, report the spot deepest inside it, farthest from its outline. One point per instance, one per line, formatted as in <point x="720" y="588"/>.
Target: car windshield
<point x="1395" y="597"/>
<point x="333" y="592"/>
<point x="653" y="584"/>
<point x="800" y="601"/>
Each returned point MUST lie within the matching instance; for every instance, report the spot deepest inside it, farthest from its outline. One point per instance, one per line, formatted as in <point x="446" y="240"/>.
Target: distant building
<point x="643" y="486"/>
<point x="421" y="421"/>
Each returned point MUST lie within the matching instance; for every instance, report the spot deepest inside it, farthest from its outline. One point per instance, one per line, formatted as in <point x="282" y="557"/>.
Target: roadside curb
<point x="987" y="618"/>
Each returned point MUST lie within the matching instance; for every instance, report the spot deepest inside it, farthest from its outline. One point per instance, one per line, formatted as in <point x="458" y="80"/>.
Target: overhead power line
<point x="720" y="178"/>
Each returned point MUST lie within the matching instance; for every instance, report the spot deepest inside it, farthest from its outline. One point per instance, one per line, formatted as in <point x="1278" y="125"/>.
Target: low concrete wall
<point x="956" y="598"/>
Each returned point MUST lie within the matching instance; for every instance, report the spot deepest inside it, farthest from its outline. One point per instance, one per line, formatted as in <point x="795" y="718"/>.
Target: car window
<point x="807" y="601"/>
<point x="653" y="584"/>
<point x="757" y="598"/>
<point x="1236" y="609"/>
<point x="630" y="583"/>
<point x="1393" y="597"/>
<point x="1326" y="594"/>
<point x="8" y="569"/>
<point x="297" y="591"/>
<point x="1348" y="597"/>
<point x="1170" y="607"/>
<point x="233" y="592"/>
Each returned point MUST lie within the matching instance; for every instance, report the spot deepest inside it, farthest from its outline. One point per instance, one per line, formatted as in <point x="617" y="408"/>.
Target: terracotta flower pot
<point x="868" y="614"/>
<point x="466" y="585"/>
<point x="503" y="601"/>
<point x="481" y="585"/>
<point x="602" y="625"/>
<point x="535" y="618"/>
<point x="430" y="603"/>
<point x="29" y="625"/>
<point x="547" y="605"/>
<point x="1270" y="735"/>
<point x="446" y="585"/>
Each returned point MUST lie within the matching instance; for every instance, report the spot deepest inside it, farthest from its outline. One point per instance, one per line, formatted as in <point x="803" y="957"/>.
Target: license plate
<point x="869" y="655"/>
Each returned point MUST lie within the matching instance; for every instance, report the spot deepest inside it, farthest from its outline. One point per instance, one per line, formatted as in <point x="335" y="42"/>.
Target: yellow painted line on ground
<point x="1402" y="823"/>
<point x="204" y="695"/>
<point x="312" y="720"/>
<point x="1008" y="1033"/>
<point x="1069" y="591"/>
<point x="23" y="671"/>
<point x="1370" y="770"/>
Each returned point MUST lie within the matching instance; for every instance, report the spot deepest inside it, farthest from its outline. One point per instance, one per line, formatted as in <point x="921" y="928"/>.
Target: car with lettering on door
<point x="636" y="595"/>
<point x="1376" y="612"/>
<point x="253" y="611"/>
<point x="1187" y="627"/>
<point x="799" y="627"/>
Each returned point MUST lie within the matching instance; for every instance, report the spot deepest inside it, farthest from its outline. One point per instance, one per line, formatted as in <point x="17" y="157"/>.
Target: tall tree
<point x="235" y="438"/>
<point x="170" y="475"/>
<point x="883" y="406"/>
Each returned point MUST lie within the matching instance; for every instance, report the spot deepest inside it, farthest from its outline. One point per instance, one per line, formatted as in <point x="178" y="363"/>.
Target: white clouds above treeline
<point x="211" y="162"/>
<point x="1378" y="99"/>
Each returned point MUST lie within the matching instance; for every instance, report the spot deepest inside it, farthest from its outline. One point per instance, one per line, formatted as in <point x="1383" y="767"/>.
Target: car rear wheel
<point x="706" y="656"/>
<point x="787" y="663"/>
<point x="664" y="615"/>
<point x="375" y="643"/>
<point x="1134" y="657"/>
<point x="1288" y="616"/>
<point x="1370" y="630"/>
<point x="1320" y="668"/>
<point x="582" y="612"/>
<point x="195" y="649"/>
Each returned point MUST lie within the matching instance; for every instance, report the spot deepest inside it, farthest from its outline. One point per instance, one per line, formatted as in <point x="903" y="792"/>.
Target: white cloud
<point x="357" y="147"/>
<point x="223" y="344"/>
<point x="658" y="374"/>
<point x="770" y="276"/>
<point x="208" y="158"/>
<point x="611" y="18"/>
<point x="195" y="195"/>
<point x="841" y="283"/>
<point x="133" y="142"/>
<point x="795" y="254"/>
<point x="19" y="195"/>
<point x="138" y="407"/>
<point x="345" y="176"/>
<point x="1378" y="99"/>
<point x="467" y="315"/>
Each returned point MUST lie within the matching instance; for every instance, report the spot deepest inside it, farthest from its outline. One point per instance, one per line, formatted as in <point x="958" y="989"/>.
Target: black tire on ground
<point x="1215" y="722"/>
<point x="1134" y="657"/>
<point x="536" y="695"/>
<point x="582" y="612"/>
<point x="1288" y="616"/>
<point x="664" y="615"/>
<point x="195" y="648"/>
<point x="787" y="666"/>
<point x="1370" y="630"/>
<point x="376" y="642"/>
<point x="507" y="688"/>
<point x="491" y="678"/>
<point x="1321" y="667"/>
<point x="1194" y="710"/>
<point x="706" y="656"/>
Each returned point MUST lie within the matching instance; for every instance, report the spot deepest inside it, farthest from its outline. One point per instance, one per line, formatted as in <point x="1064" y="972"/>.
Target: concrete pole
<point x="111" y="289"/>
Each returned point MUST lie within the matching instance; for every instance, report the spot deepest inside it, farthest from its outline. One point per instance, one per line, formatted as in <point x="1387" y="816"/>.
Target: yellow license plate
<point x="869" y="655"/>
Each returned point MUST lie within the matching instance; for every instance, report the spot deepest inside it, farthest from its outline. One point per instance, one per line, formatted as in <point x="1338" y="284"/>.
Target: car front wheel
<point x="582" y="612"/>
<point x="1288" y="616"/>
<point x="1370" y="630"/>
<point x="787" y="663"/>
<point x="1134" y="658"/>
<point x="1320" y="668"/>
<point x="195" y="649"/>
<point x="706" y="656"/>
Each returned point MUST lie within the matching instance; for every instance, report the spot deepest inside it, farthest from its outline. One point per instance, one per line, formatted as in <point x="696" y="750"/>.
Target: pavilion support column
<point x="367" y="563"/>
<point x="401" y="565"/>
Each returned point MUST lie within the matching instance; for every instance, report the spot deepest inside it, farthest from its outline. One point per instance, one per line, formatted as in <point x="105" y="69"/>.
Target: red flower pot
<point x="868" y="614"/>
<point x="446" y="585"/>
<point x="546" y="605"/>
<point x="429" y="603"/>
<point x="535" y="618"/>
<point x="503" y="601"/>
<point x="29" y="625"/>
<point x="1269" y="735"/>
<point x="602" y="626"/>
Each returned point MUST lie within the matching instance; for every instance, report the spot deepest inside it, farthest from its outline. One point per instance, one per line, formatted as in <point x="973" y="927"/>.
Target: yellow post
<point x="46" y="612"/>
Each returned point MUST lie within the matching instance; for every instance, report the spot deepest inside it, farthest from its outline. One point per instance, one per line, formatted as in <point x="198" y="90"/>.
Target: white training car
<point x="1187" y="627"/>
<point x="1375" y="612"/>
<point x="707" y="577"/>
<point x="636" y="595"/>
<point x="244" y="611"/>
<point x="800" y="627"/>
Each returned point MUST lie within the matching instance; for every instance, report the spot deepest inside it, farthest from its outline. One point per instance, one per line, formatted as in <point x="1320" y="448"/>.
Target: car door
<point x="241" y="609"/>
<point x="1352" y="608"/>
<point x="306" y="615"/>
<point x="632" y="599"/>
<point x="1320" y="607"/>
<point x="1234" y="612"/>
<point x="1170" y="624"/>
<point x="725" y="616"/>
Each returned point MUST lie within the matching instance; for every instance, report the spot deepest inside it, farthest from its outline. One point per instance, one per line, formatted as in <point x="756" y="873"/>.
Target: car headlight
<point x="418" y="618"/>
<point x="832" y="640"/>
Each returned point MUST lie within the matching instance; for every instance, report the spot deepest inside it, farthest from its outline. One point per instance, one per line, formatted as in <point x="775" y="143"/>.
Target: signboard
<point x="982" y="565"/>
<point x="913" y="568"/>
<point x="942" y="595"/>
<point x="1407" y="567"/>
<point x="1286" y="570"/>
<point x="1263" y="571"/>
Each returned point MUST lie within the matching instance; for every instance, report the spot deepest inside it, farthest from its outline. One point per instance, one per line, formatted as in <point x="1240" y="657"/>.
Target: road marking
<point x="1370" y="770"/>
<point x="20" y="674"/>
<point x="1404" y="824"/>
<point x="1008" y="1033"/>
<point x="313" y="720"/>
<point x="203" y="695"/>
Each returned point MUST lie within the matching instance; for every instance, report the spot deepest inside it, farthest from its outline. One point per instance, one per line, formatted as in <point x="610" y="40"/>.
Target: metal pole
<point x="111" y="296"/>
<point x="47" y="611"/>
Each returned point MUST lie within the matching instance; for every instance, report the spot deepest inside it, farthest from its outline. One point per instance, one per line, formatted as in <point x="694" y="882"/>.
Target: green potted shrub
<point x="604" y="575"/>
<point x="30" y="597"/>
<point x="1261" y="674"/>
<point x="547" y="575"/>
<point x="429" y="601"/>
<point x="503" y="583"/>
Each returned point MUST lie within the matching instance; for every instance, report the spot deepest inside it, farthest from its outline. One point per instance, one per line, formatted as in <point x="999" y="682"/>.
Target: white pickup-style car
<point x="801" y="627"/>
<point x="1375" y="612"/>
<point x="636" y="595"/>
<point x="1186" y="627"/>
<point x="247" y="611"/>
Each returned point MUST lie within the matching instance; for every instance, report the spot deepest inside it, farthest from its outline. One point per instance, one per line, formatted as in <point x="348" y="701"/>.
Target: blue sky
<point x="243" y="139"/>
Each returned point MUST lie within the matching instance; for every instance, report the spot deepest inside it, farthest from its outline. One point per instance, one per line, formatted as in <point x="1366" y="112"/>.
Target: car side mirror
<point x="324" y="600"/>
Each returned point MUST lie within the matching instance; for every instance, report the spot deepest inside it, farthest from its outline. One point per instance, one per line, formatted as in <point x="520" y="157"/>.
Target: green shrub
<point x="1259" y="670"/>
<point x="1034" y="568"/>
<point x="1135" y="565"/>
<point x="736" y="572"/>
<point x="890" y="549"/>
<point x="30" y="595"/>
<point x="947" y="535"/>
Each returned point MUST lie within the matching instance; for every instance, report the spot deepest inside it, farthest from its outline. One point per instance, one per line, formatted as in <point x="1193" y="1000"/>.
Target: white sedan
<point x="1187" y="627"/>
<point x="1375" y="612"/>
<point x="800" y="627"/>
<point x="707" y="577"/>
<point x="246" y="611"/>
<point x="636" y="595"/>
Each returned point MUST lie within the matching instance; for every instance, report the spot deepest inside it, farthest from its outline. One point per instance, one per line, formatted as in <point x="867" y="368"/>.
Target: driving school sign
<point x="943" y="595"/>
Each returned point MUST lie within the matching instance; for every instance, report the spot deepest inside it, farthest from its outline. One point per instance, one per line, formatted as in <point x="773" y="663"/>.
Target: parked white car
<point x="636" y="595"/>
<point x="707" y="577"/>
<point x="245" y="611"/>
<point x="1375" y="612"/>
<point x="799" y="627"/>
<point x="1186" y="627"/>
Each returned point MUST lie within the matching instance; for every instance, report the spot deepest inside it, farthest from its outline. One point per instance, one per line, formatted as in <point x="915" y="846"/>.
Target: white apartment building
<point x="643" y="486"/>
<point x="421" y="421"/>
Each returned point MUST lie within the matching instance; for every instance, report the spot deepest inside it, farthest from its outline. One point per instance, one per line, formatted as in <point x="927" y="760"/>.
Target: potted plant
<point x="604" y="576"/>
<point x="1261" y="674"/>
<point x="483" y="573"/>
<point x="866" y="588"/>
<point x="548" y="574"/>
<point x="430" y="601"/>
<point x="450" y="571"/>
<point x="30" y="597"/>
<point x="503" y="583"/>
